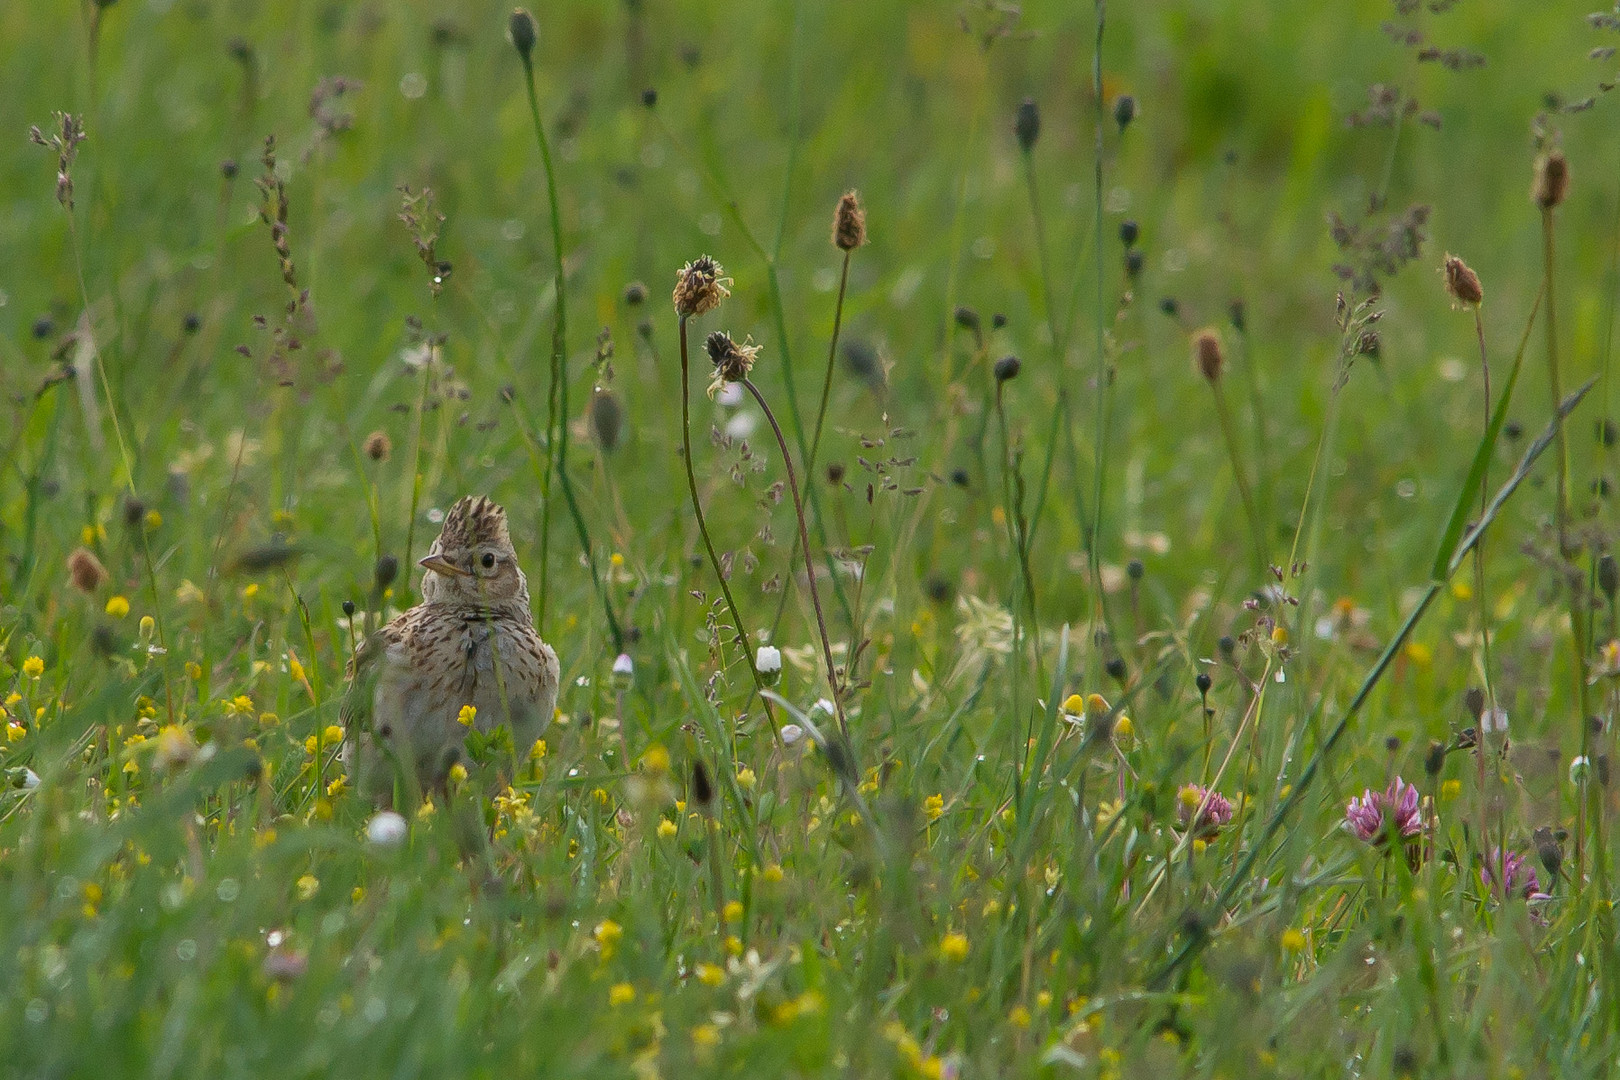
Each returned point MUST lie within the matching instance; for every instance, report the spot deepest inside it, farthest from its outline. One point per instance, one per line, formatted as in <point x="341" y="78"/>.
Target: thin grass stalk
<point x="702" y="522"/>
<point x="1100" y="456"/>
<point x="1256" y="531"/>
<point x="1193" y="944"/>
<point x="809" y="564"/>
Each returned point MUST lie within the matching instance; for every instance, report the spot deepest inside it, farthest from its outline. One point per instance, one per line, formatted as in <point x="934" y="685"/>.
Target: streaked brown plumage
<point x="471" y="641"/>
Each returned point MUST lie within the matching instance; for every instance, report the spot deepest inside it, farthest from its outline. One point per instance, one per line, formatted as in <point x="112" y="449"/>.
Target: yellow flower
<point x="308" y="886"/>
<point x="705" y="1036"/>
<point x="15" y="731"/>
<point x="934" y="807"/>
<point x="655" y="760"/>
<point x="733" y="944"/>
<point x="1419" y="653"/>
<point x="1279" y="634"/>
<point x="238" y="705"/>
<point x="616" y="559"/>
<point x="33" y="667"/>
<point x="772" y="873"/>
<point x="1293" y="940"/>
<point x="1074" y="705"/>
<point x="1462" y="590"/>
<point x="607" y="934"/>
<point x="249" y="591"/>
<point x="1123" y="728"/>
<point x="294" y="668"/>
<point x="117" y="607"/>
<point x="193" y="670"/>
<point x="621" y="994"/>
<point x="357" y="894"/>
<point x="467" y="715"/>
<point x="709" y="974"/>
<point x="1450" y="789"/>
<point x="154" y="520"/>
<point x="954" y="947"/>
<point x="333" y="734"/>
<point x="1043" y="1000"/>
<point x="188" y="593"/>
<point x="746" y="778"/>
<point x="458" y="773"/>
<point x="1019" y="1017"/>
<point x="538" y="750"/>
<point x="427" y="809"/>
<point x="666" y="828"/>
<point x="733" y="911"/>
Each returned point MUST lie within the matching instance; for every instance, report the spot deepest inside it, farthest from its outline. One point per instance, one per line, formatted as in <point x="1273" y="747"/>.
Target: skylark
<point x="470" y="642"/>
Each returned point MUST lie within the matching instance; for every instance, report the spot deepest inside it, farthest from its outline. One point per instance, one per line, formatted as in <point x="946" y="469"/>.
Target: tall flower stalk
<point x="524" y="34"/>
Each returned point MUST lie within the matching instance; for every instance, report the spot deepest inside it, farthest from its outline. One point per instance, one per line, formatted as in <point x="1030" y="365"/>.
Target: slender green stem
<point x="557" y="408"/>
<point x="1040" y="252"/>
<point x="821" y="416"/>
<point x="1100" y="435"/>
<point x="702" y="522"/>
<point x="809" y="564"/>
<point x="1256" y="531"/>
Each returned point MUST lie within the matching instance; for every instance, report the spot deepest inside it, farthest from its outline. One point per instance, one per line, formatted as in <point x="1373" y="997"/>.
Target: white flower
<point x="1494" y="720"/>
<point x="768" y="662"/>
<point x="386" y="829"/>
<point x="824" y="705"/>
<point x="791" y="734"/>
<point x="624" y="671"/>
<point x="30" y="779"/>
<point x="1579" y="770"/>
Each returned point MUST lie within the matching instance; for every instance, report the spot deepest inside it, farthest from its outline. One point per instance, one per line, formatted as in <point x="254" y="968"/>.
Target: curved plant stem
<point x="703" y="525"/>
<point x="804" y="541"/>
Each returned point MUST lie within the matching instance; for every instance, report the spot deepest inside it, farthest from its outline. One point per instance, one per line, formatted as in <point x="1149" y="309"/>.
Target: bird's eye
<point x="488" y="561"/>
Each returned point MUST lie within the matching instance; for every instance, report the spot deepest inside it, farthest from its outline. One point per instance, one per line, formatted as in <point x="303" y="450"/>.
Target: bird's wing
<point x="359" y="702"/>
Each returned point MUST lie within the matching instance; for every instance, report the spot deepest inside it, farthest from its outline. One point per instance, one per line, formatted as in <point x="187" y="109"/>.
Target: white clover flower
<point x="624" y="671"/>
<point x="1494" y="720"/>
<point x="768" y="662"/>
<point x="386" y="829"/>
<point x="792" y="734"/>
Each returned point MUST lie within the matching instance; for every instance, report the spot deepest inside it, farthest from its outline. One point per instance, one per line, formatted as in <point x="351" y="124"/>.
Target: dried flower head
<point x="1552" y="179"/>
<point x="700" y="286"/>
<point x="1207" y="355"/>
<point x="379" y="446"/>
<point x="849" y="223"/>
<point x="732" y="361"/>
<point x="1462" y="283"/>
<point x="65" y="142"/>
<point x="607" y="419"/>
<point x="86" y="571"/>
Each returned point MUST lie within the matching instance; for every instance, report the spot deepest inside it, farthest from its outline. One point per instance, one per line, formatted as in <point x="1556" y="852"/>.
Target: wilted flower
<point x="1510" y="874"/>
<point x="1212" y="809"/>
<point x="732" y="361"/>
<point x="1377" y="813"/>
<point x="1207" y="354"/>
<point x="700" y="285"/>
<point x="1552" y="180"/>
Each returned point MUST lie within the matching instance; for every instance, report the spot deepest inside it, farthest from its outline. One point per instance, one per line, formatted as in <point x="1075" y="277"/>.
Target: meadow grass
<point x="1091" y="634"/>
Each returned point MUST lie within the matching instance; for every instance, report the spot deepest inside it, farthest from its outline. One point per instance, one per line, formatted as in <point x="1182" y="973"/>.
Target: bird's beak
<point x="441" y="565"/>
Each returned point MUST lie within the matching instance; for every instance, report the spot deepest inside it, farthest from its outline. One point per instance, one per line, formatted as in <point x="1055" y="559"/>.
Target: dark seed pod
<point x="1608" y="575"/>
<point x="524" y="33"/>
<point x="1128" y="232"/>
<point x="1435" y="759"/>
<point x="1007" y="368"/>
<point x="1474" y="702"/>
<point x="1116" y="668"/>
<point x="1027" y="124"/>
<point x="960" y="478"/>
<point x="1135" y="570"/>
<point x="1133" y="263"/>
<point x="967" y="318"/>
<point x="386" y="570"/>
<point x="702" y="789"/>
<point x="1203" y="682"/>
<point x="607" y="420"/>
<point x="649" y="97"/>
<point x="1124" y="111"/>
<point x="997" y="321"/>
<point x="348" y="609"/>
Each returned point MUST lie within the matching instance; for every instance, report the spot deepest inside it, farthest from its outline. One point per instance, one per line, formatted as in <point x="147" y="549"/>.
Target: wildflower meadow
<point x="1077" y="539"/>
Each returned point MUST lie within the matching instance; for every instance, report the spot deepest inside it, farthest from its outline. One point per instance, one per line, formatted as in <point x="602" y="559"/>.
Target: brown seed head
<point x="1207" y="354"/>
<point x="700" y="285"/>
<point x="732" y="361"/>
<point x="1462" y="283"/>
<point x="1552" y="179"/>
<point x="85" y="570"/>
<point x="524" y="33"/>
<point x="379" y="446"/>
<point x="849" y="223"/>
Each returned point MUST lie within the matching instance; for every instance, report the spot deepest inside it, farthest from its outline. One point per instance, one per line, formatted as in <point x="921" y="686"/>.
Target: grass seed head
<point x="1462" y="284"/>
<point x="1027" y="124"/>
<point x="1552" y="179"/>
<point x="849" y="223"/>
<point x="86" y="571"/>
<point x="732" y="361"/>
<point x="1208" y="356"/>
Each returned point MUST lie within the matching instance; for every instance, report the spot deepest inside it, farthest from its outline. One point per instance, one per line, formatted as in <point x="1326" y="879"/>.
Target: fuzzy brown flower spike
<point x="732" y="362"/>
<point x="86" y="571"/>
<point x="1207" y="354"/>
<point x="700" y="286"/>
<point x="1552" y="179"/>
<point x="1462" y="283"/>
<point x="849" y="223"/>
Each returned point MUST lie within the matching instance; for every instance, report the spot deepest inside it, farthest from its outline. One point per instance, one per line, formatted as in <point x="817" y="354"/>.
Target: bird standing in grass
<point x="467" y="657"/>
